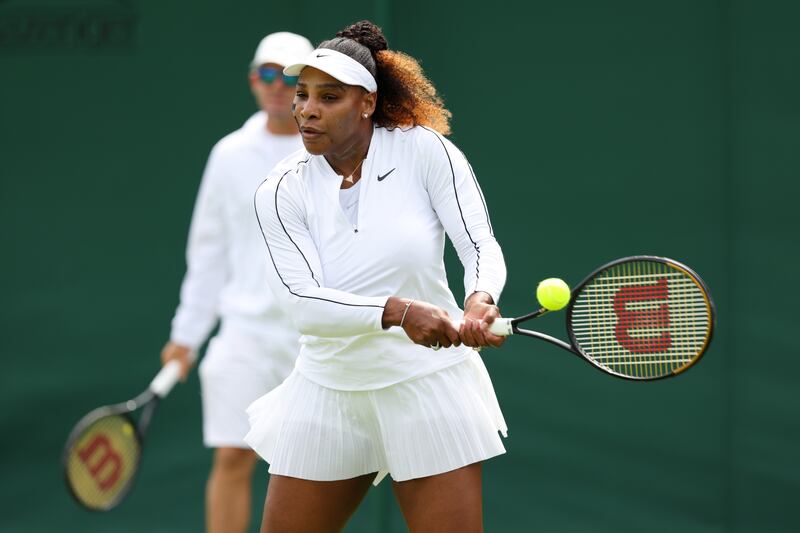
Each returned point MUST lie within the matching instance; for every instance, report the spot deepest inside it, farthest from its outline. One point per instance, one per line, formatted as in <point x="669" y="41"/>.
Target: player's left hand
<point x="479" y="313"/>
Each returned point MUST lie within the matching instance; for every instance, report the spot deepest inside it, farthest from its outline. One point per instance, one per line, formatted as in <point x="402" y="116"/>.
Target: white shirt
<point x="348" y="198"/>
<point x="225" y="255"/>
<point x="335" y="277"/>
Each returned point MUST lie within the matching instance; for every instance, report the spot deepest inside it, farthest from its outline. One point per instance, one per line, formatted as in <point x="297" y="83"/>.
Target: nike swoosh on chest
<point x="382" y="177"/>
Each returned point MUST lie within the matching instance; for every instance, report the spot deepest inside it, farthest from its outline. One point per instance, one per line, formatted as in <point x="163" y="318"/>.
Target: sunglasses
<point x="269" y="74"/>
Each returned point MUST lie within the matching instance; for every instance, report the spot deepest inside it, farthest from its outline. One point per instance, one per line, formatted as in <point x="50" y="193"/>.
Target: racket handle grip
<point x="500" y="327"/>
<point x="166" y="378"/>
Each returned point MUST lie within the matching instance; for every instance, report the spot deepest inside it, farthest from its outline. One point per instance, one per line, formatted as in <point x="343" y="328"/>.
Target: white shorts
<point x="236" y="370"/>
<point x="426" y="426"/>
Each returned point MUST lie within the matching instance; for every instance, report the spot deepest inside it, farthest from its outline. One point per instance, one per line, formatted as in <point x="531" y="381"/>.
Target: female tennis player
<point x="354" y="225"/>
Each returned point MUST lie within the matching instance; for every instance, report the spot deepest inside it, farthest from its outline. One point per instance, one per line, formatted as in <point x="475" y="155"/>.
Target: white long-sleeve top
<point x="335" y="277"/>
<point x="226" y="263"/>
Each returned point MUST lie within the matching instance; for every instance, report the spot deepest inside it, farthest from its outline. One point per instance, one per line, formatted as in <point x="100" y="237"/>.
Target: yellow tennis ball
<point x="553" y="294"/>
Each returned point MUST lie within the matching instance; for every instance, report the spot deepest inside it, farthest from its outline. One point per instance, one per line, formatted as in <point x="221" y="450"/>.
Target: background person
<point x="256" y="345"/>
<point x="355" y="226"/>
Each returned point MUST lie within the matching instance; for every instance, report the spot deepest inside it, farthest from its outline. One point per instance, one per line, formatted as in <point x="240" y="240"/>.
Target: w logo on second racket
<point x="638" y="309"/>
<point x="104" y="464"/>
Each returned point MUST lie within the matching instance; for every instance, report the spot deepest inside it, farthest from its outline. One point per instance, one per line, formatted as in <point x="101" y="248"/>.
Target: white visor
<point x="341" y="66"/>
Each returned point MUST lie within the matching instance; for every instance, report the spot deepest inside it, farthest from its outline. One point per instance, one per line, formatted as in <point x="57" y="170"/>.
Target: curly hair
<point x="406" y="97"/>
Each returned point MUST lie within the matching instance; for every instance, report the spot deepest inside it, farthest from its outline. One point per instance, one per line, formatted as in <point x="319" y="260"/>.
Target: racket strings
<point x="642" y="319"/>
<point x="102" y="460"/>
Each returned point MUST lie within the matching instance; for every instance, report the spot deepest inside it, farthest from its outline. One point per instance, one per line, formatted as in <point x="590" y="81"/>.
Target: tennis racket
<point x="639" y="318"/>
<point x="103" y="451"/>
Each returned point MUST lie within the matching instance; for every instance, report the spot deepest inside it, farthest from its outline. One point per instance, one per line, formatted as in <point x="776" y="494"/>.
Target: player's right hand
<point x="429" y="325"/>
<point x="184" y="354"/>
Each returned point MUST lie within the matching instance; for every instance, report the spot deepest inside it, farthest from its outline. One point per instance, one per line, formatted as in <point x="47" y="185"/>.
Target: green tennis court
<point x="615" y="128"/>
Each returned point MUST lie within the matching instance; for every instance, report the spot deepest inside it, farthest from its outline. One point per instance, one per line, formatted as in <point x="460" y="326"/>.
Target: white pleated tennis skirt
<point x="422" y="427"/>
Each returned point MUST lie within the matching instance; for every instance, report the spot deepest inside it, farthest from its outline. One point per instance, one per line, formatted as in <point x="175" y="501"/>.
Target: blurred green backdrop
<point x="597" y="129"/>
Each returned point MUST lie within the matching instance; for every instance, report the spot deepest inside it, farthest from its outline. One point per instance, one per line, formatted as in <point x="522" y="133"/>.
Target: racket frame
<point x="159" y="388"/>
<point x="573" y="347"/>
<point x="147" y="401"/>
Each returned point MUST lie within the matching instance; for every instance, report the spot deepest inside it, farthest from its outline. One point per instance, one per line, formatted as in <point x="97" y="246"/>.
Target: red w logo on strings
<point x="650" y="317"/>
<point x="100" y="448"/>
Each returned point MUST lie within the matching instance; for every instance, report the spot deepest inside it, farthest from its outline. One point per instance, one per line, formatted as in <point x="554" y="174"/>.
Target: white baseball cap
<point x="283" y="48"/>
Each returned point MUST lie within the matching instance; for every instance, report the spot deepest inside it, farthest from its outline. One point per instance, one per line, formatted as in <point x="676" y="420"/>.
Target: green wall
<point x="597" y="129"/>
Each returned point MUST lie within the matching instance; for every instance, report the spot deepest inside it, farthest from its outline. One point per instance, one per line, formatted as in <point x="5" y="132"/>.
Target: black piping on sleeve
<point x="458" y="203"/>
<point x="272" y="258"/>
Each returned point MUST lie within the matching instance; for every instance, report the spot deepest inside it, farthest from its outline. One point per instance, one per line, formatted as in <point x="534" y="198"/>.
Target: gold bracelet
<point x="405" y="311"/>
